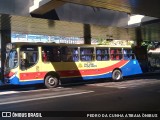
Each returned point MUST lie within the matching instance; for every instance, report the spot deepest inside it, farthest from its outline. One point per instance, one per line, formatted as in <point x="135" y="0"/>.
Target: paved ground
<point x="141" y="94"/>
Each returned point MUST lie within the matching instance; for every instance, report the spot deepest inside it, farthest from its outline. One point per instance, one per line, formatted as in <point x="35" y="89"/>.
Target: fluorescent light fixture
<point x="35" y="5"/>
<point x="134" y="19"/>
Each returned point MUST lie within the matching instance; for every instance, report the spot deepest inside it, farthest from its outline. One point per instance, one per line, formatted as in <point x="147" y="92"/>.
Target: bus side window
<point x="128" y="55"/>
<point x="75" y="58"/>
<point x="112" y="55"/>
<point x="64" y="53"/>
<point x="99" y="58"/>
<point x="102" y="54"/>
<point x="69" y="54"/>
<point x="55" y="54"/>
<point x="46" y="53"/>
<point x="125" y="54"/>
<point x="51" y="54"/>
<point x="75" y="55"/>
<point x="44" y="56"/>
<point x="98" y="52"/>
<point x="131" y="55"/>
<point x="86" y="54"/>
<point x="98" y="55"/>
<point x="118" y="54"/>
<point x="33" y="58"/>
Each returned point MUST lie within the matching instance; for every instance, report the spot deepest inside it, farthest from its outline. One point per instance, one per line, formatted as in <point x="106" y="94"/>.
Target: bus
<point x="51" y="63"/>
<point x="154" y="59"/>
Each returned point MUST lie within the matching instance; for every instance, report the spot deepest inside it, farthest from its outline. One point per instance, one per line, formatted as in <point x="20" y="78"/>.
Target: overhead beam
<point x="127" y="6"/>
<point x="52" y="4"/>
<point x="109" y="4"/>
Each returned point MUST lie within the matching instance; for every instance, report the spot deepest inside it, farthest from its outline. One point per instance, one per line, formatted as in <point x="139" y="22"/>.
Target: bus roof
<point x="64" y="44"/>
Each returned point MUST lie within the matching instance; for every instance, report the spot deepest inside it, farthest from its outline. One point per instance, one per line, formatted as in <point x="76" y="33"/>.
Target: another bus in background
<point x="154" y="59"/>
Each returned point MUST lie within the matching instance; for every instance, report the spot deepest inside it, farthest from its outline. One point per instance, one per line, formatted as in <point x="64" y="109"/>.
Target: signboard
<point x="16" y="37"/>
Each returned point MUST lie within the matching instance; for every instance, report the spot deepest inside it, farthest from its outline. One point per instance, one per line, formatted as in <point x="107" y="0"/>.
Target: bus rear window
<point x="128" y="54"/>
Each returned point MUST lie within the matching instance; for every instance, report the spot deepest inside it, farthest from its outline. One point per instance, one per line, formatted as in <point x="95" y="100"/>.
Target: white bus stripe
<point x="42" y="98"/>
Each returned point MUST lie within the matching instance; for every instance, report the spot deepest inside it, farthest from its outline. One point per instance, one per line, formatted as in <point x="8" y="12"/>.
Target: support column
<point x="139" y="36"/>
<point x="5" y="37"/>
<point x="87" y="33"/>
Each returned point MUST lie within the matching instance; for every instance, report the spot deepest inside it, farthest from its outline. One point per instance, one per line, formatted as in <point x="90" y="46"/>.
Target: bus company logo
<point x="89" y="65"/>
<point x="6" y="114"/>
<point x="80" y="65"/>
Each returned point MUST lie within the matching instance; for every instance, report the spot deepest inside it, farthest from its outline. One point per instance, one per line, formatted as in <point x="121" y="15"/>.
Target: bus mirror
<point x="23" y="55"/>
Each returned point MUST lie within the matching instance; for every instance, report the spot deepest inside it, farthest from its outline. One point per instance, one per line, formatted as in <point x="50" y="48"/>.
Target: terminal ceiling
<point x="115" y="10"/>
<point x="143" y="7"/>
<point x="28" y="25"/>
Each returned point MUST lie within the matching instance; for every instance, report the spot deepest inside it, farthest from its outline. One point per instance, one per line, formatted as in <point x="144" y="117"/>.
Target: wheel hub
<point x="51" y="81"/>
<point x="117" y="75"/>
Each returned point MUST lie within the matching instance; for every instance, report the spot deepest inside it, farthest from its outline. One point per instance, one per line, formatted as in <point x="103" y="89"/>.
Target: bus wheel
<point x="116" y="75"/>
<point x="51" y="81"/>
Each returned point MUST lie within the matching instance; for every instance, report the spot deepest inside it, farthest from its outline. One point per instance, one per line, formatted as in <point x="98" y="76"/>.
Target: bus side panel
<point x="31" y="77"/>
<point x="128" y="68"/>
<point x="107" y="75"/>
<point x="11" y="77"/>
<point x="14" y="80"/>
<point x="99" y="70"/>
<point x="32" y="82"/>
<point x="131" y="68"/>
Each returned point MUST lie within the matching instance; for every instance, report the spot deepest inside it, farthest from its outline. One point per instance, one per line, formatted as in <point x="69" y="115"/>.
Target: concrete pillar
<point x="87" y="33"/>
<point x="139" y="36"/>
<point x="5" y="37"/>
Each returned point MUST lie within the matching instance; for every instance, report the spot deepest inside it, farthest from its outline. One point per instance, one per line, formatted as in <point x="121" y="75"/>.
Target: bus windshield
<point x="11" y="60"/>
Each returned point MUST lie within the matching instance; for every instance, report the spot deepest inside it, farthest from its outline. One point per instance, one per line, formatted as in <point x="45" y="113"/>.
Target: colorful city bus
<point x="50" y="63"/>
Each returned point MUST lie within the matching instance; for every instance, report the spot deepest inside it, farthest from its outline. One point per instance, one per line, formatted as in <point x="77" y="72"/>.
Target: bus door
<point x="29" y="63"/>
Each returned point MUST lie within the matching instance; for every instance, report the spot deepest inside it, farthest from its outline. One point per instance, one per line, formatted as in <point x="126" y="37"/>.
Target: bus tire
<point x="116" y="75"/>
<point x="51" y="81"/>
